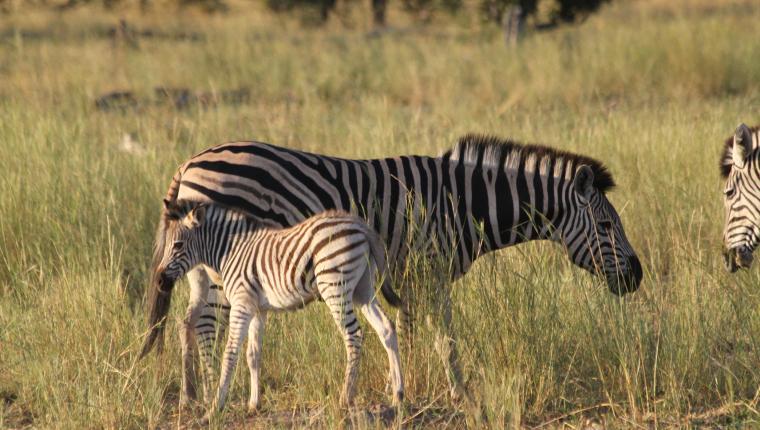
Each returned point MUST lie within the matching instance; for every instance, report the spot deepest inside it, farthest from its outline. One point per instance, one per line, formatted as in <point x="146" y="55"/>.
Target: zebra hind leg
<point x="366" y="298"/>
<point x="341" y="309"/>
<point x="387" y="334"/>
<point x="253" y="356"/>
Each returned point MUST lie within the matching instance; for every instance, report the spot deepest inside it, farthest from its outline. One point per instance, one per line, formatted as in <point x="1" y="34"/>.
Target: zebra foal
<point x="332" y="255"/>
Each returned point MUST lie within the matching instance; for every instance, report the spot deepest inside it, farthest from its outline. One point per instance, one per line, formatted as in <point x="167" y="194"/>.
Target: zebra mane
<point x="180" y="208"/>
<point x="486" y="150"/>
<point x="726" y="160"/>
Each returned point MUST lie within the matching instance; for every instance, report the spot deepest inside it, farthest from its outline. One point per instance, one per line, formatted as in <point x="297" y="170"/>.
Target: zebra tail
<point x="159" y="304"/>
<point x="378" y="253"/>
<point x="159" y="299"/>
<point x="390" y="296"/>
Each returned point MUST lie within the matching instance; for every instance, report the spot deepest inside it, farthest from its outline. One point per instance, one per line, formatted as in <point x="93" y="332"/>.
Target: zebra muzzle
<point x="744" y="258"/>
<point x="165" y="283"/>
<point x="737" y="258"/>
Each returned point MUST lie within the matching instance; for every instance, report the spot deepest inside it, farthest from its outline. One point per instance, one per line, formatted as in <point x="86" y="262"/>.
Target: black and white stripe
<point x="333" y="255"/>
<point x="740" y="167"/>
<point x="482" y="195"/>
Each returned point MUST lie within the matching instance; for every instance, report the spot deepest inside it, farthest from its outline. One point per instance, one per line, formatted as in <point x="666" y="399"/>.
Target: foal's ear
<point x="742" y="145"/>
<point x="172" y="211"/>
<point x="197" y="216"/>
<point x="583" y="183"/>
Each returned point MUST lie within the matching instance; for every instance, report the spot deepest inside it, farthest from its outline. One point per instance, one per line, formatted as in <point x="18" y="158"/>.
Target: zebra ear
<point x="742" y="145"/>
<point x="584" y="182"/>
<point x="197" y="216"/>
<point x="171" y="210"/>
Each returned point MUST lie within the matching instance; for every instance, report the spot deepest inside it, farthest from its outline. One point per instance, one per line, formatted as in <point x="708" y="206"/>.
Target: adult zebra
<point x="740" y="168"/>
<point x="484" y="194"/>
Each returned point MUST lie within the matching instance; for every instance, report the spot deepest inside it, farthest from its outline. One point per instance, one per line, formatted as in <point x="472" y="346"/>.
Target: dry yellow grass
<point x="650" y="88"/>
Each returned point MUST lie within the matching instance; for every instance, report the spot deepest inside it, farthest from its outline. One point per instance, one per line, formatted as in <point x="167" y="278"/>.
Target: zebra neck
<point x="223" y="238"/>
<point x="494" y="207"/>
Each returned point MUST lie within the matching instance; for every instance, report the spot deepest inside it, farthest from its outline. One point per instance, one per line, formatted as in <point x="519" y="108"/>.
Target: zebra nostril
<point x="635" y="274"/>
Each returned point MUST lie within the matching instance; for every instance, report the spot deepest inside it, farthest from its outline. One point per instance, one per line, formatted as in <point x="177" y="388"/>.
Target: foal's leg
<point x="387" y="333"/>
<point x="198" y="292"/>
<point x="240" y="318"/>
<point x="208" y="329"/>
<point x="255" y="339"/>
<point x="339" y="299"/>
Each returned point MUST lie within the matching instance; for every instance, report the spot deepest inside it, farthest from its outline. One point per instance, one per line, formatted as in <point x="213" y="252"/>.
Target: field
<point x="650" y="87"/>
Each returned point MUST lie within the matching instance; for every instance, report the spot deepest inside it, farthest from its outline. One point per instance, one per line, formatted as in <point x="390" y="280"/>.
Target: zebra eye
<point x="606" y="224"/>
<point x="178" y="245"/>
<point x="730" y="192"/>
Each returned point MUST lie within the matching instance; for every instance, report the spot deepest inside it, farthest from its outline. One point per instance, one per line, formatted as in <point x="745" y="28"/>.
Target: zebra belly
<point x="286" y="297"/>
<point x="273" y="302"/>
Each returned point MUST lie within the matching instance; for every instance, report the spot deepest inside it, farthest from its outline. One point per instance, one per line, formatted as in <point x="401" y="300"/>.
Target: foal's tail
<point x="159" y="295"/>
<point x="378" y="254"/>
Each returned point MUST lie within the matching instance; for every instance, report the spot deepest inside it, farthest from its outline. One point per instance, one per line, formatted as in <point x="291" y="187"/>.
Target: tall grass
<point x="650" y="89"/>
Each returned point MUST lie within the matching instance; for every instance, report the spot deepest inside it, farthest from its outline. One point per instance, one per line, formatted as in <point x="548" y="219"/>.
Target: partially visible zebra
<point x="333" y="255"/>
<point x="484" y="194"/>
<point x="740" y="167"/>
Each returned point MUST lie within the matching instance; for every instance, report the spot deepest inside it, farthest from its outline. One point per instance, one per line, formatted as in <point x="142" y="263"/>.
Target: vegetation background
<point x="88" y="145"/>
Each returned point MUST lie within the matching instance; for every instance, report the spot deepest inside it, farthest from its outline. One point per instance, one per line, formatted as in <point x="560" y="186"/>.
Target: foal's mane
<point x="183" y="207"/>
<point x="492" y="151"/>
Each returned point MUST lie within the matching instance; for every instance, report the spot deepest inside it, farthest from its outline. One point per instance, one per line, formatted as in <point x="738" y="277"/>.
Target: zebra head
<point x="594" y="237"/>
<point x="741" y="169"/>
<point x="181" y="251"/>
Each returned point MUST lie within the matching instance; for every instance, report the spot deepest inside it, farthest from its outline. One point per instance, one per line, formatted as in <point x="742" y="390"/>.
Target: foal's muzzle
<point x="165" y="282"/>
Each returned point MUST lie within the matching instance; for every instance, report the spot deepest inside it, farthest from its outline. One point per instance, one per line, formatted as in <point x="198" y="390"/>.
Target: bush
<point x="561" y="11"/>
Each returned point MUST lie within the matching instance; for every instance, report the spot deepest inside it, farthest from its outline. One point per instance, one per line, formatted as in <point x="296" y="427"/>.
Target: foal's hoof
<point x="346" y="404"/>
<point x="398" y="398"/>
<point x="253" y="408"/>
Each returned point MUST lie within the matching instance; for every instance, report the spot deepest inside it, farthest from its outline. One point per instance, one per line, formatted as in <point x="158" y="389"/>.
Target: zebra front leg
<point x="255" y="340"/>
<point x="198" y="292"/>
<point x="240" y="318"/>
<point x="210" y="326"/>
<point x="447" y="349"/>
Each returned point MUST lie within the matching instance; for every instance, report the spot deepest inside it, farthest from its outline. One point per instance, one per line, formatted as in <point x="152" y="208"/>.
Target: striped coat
<point x="333" y="255"/>
<point x="484" y="194"/>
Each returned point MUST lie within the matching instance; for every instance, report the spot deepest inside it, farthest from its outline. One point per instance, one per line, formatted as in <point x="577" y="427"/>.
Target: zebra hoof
<point x="206" y="419"/>
<point x="455" y="395"/>
<point x="253" y="408"/>
<point x="398" y="398"/>
<point x="345" y="402"/>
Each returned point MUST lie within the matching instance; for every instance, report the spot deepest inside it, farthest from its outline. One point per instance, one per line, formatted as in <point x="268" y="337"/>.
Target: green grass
<point x="649" y="88"/>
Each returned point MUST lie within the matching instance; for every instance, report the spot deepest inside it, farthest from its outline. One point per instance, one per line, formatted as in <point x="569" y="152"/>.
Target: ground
<point x="96" y="115"/>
